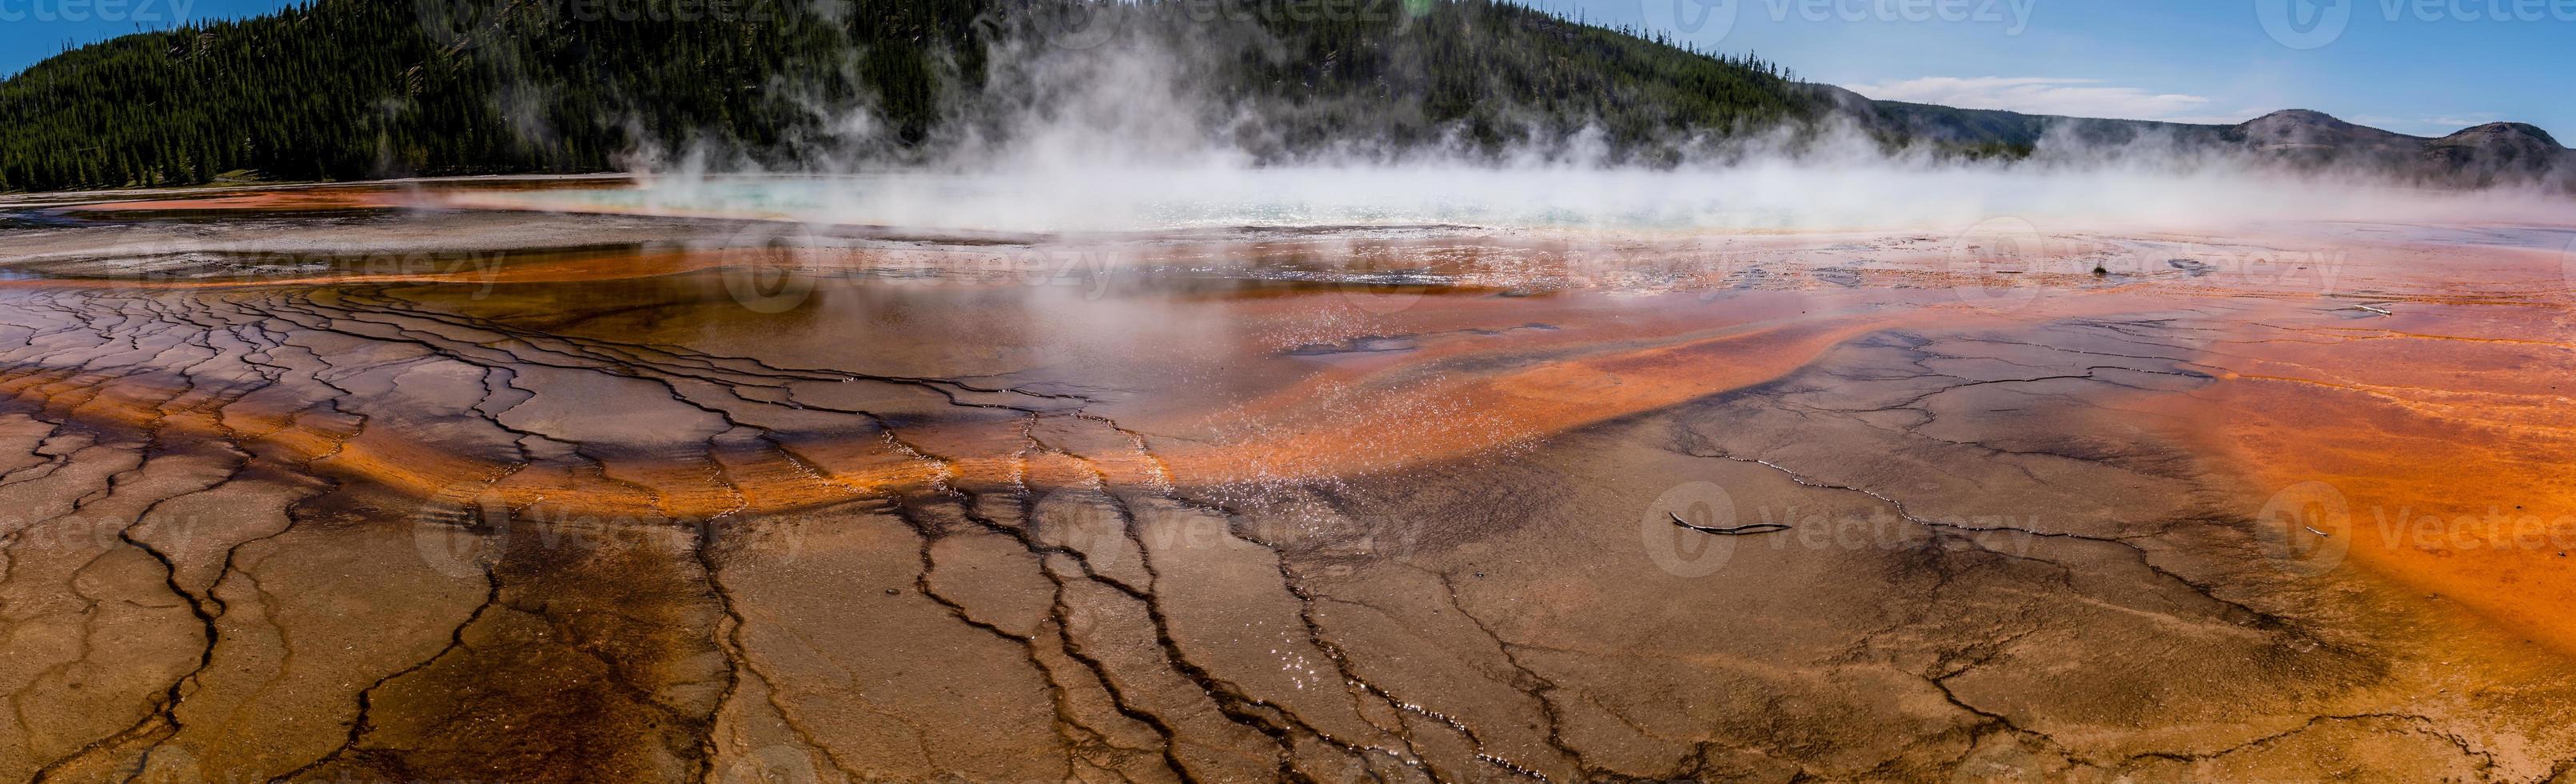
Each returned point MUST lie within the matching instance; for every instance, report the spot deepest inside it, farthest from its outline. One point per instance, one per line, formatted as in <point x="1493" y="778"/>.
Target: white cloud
<point x="2044" y="95"/>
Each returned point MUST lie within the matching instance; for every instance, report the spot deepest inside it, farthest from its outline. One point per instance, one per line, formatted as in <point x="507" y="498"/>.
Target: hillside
<point x="349" y="89"/>
<point x="2495" y="153"/>
<point x="342" y="89"/>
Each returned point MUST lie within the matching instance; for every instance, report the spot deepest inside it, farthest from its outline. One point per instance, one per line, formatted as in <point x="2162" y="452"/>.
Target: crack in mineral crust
<point x="386" y="528"/>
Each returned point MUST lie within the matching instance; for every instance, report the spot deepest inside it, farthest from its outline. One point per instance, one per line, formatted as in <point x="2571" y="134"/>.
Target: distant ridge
<point x="2491" y="154"/>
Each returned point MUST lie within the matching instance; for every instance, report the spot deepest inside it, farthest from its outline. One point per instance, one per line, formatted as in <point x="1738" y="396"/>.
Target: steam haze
<point x="1122" y="130"/>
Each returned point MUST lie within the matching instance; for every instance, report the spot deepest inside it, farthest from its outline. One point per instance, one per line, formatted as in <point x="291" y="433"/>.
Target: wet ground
<point x="346" y="485"/>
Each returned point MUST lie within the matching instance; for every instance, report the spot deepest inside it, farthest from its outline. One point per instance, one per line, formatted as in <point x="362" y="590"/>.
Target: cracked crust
<point x="587" y="523"/>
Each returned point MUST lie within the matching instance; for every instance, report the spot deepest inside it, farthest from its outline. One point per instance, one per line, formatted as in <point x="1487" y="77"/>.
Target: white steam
<point x="1123" y="138"/>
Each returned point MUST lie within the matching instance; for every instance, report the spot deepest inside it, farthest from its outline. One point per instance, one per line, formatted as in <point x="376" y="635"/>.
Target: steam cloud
<point x="1121" y="132"/>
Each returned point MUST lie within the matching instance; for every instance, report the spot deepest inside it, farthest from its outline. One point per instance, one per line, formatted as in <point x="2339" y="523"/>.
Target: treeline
<point x="1502" y="75"/>
<point x="348" y="89"/>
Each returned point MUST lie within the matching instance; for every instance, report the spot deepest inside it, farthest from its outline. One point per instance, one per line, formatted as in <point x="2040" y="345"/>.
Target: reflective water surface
<point x="397" y="482"/>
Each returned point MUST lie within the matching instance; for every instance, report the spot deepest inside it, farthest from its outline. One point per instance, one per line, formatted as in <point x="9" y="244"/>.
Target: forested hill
<point x="344" y="89"/>
<point x="350" y="89"/>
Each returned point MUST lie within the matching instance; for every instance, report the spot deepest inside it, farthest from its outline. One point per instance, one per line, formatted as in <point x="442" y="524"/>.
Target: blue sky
<point x="32" y="30"/>
<point x="2415" y="66"/>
